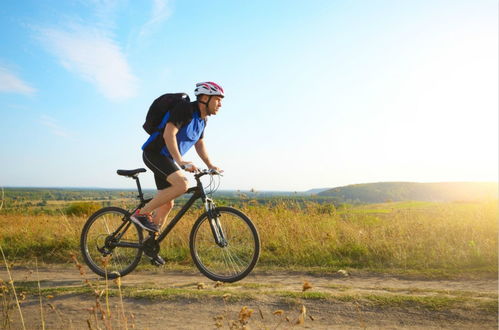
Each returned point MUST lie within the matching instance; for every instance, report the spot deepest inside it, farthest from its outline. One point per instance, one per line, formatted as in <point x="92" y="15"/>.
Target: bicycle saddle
<point x="131" y="173"/>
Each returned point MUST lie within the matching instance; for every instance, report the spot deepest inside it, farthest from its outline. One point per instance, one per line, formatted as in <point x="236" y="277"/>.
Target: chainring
<point x="150" y="247"/>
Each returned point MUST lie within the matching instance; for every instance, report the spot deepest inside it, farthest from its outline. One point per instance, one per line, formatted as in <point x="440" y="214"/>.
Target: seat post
<point x="141" y="196"/>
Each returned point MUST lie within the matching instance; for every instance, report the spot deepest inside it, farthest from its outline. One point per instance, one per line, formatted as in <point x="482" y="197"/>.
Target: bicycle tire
<point x="230" y="263"/>
<point x="93" y="247"/>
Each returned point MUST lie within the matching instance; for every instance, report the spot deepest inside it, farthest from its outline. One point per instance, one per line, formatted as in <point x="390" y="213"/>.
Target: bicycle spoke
<point x="107" y="226"/>
<point x="225" y="260"/>
<point x="235" y="258"/>
<point x="230" y="264"/>
<point x="234" y="263"/>
<point x="232" y="257"/>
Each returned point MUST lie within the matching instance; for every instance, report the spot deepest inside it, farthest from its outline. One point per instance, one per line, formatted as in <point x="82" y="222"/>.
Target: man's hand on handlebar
<point x="189" y="167"/>
<point x="216" y="169"/>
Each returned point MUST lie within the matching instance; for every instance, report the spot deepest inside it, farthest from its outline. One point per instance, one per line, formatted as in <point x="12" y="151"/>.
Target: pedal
<point x="157" y="261"/>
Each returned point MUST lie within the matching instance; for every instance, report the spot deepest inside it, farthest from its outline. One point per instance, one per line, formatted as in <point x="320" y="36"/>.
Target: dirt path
<point x="166" y="299"/>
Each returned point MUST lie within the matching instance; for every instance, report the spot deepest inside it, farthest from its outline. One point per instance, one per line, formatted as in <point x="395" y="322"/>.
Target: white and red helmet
<point x="208" y="88"/>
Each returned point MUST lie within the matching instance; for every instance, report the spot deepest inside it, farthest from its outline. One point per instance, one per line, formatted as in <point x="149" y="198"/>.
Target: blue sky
<point x="319" y="93"/>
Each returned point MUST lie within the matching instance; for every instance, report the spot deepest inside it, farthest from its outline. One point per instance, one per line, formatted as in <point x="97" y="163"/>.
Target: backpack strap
<point x="162" y="125"/>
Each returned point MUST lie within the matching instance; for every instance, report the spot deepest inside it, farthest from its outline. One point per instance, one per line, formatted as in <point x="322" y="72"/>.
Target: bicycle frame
<point x="198" y="192"/>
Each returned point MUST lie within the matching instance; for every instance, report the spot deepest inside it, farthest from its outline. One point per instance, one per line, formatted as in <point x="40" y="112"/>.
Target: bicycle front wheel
<point x="232" y="259"/>
<point x="110" y="243"/>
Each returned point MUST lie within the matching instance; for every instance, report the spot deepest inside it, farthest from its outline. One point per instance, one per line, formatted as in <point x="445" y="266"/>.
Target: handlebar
<point x="202" y="172"/>
<point x="207" y="171"/>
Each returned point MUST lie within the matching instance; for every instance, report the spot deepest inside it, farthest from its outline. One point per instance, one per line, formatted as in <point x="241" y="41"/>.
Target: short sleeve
<point x="202" y="134"/>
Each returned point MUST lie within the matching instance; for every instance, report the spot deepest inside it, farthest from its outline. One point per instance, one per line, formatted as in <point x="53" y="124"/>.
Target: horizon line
<point x="257" y="190"/>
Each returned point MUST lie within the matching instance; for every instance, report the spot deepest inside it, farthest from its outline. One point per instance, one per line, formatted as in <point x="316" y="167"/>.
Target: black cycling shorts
<point x="161" y="166"/>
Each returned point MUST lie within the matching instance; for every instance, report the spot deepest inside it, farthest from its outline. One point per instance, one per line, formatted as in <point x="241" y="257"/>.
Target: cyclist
<point x="184" y="129"/>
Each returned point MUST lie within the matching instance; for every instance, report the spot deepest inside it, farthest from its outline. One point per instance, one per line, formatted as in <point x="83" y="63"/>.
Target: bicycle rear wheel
<point x="233" y="260"/>
<point x="110" y="243"/>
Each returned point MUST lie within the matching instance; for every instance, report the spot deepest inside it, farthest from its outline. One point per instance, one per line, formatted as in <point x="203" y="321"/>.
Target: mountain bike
<point x="224" y="243"/>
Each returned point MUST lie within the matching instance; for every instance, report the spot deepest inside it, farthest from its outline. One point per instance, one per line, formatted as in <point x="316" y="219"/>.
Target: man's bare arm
<point x="203" y="154"/>
<point x="170" y="137"/>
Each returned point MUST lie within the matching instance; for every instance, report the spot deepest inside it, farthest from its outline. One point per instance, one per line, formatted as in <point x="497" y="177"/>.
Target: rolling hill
<point x="402" y="191"/>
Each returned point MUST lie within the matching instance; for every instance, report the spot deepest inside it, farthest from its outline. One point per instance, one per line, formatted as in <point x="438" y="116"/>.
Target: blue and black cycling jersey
<point x="187" y="118"/>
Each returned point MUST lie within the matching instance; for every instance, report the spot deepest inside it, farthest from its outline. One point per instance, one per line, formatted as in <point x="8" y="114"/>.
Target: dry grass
<point x="407" y="236"/>
<point x="429" y="236"/>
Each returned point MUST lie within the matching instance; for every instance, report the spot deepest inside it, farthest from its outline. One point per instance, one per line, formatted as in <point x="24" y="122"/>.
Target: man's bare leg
<point x="161" y="213"/>
<point x="165" y="197"/>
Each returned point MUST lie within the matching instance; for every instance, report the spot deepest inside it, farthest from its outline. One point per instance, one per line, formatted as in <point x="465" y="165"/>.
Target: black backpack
<point x="159" y="108"/>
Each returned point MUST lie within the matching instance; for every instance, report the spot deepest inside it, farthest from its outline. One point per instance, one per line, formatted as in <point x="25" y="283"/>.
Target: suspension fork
<point x="215" y="225"/>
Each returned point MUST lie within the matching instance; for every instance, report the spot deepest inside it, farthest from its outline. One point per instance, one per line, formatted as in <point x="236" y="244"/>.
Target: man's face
<point x="214" y="105"/>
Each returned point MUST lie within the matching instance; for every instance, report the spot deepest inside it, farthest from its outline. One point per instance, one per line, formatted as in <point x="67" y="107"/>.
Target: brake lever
<point x="188" y="166"/>
<point x="214" y="172"/>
